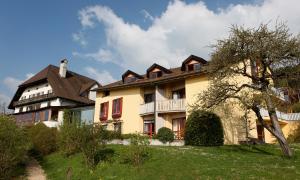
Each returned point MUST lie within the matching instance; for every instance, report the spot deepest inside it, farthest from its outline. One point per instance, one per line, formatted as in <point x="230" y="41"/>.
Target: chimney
<point x="63" y="68"/>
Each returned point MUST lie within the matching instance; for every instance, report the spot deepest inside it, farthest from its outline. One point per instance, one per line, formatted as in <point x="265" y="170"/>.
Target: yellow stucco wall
<point x="132" y="99"/>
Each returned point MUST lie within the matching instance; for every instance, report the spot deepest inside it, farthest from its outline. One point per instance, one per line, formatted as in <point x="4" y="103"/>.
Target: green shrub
<point x="204" y="129"/>
<point x="13" y="147"/>
<point x="127" y="136"/>
<point x="296" y="107"/>
<point x="93" y="140"/>
<point x="165" y="135"/>
<point x="69" y="138"/>
<point x="294" y="137"/>
<point x="138" y="150"/>
<point x="43" y="139"/>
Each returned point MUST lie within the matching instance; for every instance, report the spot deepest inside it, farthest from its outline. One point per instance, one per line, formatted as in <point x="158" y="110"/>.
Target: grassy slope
<point x="227" y="162"/>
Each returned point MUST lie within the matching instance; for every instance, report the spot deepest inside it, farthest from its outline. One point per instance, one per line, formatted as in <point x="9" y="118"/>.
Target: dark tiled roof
<point x="174" y="75"/>
<point x="70" y="88"/>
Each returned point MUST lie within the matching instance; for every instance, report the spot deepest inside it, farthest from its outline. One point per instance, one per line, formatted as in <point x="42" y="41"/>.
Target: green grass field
<point x="226" y="162"/>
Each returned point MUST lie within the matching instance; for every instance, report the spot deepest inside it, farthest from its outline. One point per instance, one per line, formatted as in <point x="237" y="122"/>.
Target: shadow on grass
<point x="253" y="149"/>
<point x="105" y="154"/>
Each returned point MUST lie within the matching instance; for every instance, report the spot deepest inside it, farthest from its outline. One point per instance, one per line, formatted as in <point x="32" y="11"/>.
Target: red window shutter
<point x="104" y="111"/>
<point x="117" y="108"/>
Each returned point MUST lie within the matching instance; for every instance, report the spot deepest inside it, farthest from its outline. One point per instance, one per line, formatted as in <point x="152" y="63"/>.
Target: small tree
<point x="13" y="146"/>
<point x="252" y="54"/>
<point x="203" y="129"/>
<point x="165" y="135"/>
<point x="43" y="138"/>
<point x="69" y="137"/>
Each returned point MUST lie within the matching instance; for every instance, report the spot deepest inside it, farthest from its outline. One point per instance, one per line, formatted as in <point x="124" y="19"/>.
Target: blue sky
<point x="103" y="38"/>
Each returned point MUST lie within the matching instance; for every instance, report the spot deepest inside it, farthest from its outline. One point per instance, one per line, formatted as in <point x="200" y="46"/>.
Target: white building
<point x="43" y="97"/>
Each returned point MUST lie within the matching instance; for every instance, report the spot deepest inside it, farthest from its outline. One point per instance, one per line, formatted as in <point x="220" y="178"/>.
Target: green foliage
<point x="165" y="135"/>
<point x="296" y="107"/>
<point x="294" y="137"/>
<point x="223" y="162"/>
<point x="138" y="150"/>
<point x="93" y="139"/>
<point x="127" y="136"/>
<point x="204" y="129"/>
<point x="69" y="136"/>
<point x="13" y="147"/>
<point x="43" y="138"/>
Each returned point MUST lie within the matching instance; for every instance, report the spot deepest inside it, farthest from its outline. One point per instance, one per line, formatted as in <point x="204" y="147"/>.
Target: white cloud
<point x="79" y="37"/>
<point x="102" y="55"/>
<point x="147" y="15"/>
<point x="103" y="77"/>
<point x="12" y="83"/>
<point x="182" y="29"/>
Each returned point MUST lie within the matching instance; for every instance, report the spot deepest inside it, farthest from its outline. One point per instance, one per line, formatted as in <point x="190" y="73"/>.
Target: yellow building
<point x="161" y="98"/>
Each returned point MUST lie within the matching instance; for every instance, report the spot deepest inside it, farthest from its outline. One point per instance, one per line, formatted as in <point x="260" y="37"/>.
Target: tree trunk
<point x="286" y="150"/>
<point x="276" y="128"/>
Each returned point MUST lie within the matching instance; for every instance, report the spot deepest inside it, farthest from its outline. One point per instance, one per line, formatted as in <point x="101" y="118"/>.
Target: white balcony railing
<point x="281" y="115"/>
<point x="147" y="108"/>
<point x="172" y="105"/>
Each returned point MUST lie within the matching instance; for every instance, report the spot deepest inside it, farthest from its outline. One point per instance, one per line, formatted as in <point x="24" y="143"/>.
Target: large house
<point x="162" y="98"/>
<point x="43" y="97"/>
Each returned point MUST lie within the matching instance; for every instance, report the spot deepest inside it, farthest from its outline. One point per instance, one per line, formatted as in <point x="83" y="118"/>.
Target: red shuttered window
<point x="104" y="111"/>
<point x="117" y="108"/>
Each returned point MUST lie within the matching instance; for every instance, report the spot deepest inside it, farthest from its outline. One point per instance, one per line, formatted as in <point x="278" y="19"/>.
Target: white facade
<point x="34" y="91"/>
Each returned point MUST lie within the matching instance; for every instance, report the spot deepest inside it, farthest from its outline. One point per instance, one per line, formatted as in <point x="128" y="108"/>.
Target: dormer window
<point x="130" y="76"/>
<point x="193" y="67"/>
<point x="130" y="79"/>
<point x="153" y="75"/>
<point x="193" y="63"/>
<point x="156" y="71"/>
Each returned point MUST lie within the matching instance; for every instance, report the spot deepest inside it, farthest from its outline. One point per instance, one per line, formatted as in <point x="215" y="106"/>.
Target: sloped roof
<point x="71" y="87"/>
<point x="165" y="70"/>
<point x="192" y="57"/>
<point x="133" y="73"/>
<point x="173" y="74"/>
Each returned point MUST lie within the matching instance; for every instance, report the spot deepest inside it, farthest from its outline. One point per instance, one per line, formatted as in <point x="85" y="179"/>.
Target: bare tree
<point x="241" y="70"/>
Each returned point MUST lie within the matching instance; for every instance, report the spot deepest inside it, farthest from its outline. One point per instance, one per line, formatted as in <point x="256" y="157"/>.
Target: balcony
<point x="34" y="99"/>
<point x="164" y="106"/>
<point x="281" y="115"/>
<point x="147" y="108"/>
<point x="172" y="105"/>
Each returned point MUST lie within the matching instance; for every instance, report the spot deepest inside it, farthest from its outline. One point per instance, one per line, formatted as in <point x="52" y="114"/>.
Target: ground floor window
<point x="149" y="127"/>
<point x="260" y="133"/>
<point x="178" y="126"/>
<point x="117" y="127"/>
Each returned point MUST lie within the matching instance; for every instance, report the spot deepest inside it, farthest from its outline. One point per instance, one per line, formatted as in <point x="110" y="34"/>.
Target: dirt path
<point x="34" y="171"/>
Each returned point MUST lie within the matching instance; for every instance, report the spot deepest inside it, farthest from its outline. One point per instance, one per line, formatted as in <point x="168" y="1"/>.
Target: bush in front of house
<point x="69" y="139"/>
<point x="203" y="128"/>
<point x="165" y="134"/>
<point x="93" y="140"/>
<point x="43" y="139"/>
<point x="13" y="147"/>
<point x="138" y="150"/>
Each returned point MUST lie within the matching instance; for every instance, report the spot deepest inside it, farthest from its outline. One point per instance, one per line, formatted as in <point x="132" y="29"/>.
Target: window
<point x="106" y="93"/>
<point x="37" y="117"/>
<point x="197" y="67"/>
<point x="149" y="127"/>
<point x="117" y="108"/>
<point x="178" y="94"/>
<point x="130" y="79"/>
<point x="194" y="67"/>
<point x="154" y="75"/>
<point x="28" y="90"/>
<point x="103" y="111"/>
<point x="21" y="109"/>
<point x="117" y="127"/>
<point x="38" y="94"/>
<point x="46" y="115"/>
<point x="149" y="98"/>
